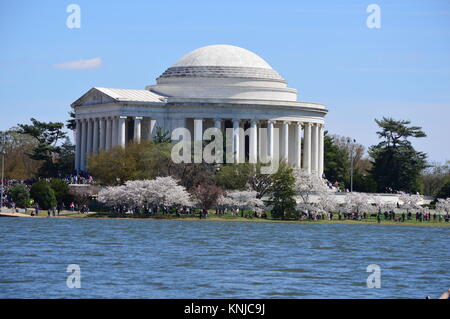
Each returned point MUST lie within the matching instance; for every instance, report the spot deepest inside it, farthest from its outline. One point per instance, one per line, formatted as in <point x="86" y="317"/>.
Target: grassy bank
<point x="228" y="217"/>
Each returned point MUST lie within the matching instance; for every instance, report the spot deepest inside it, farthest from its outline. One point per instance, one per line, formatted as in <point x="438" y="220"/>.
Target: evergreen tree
<point x="282" y="193"/>
<point x="47" y="150"/>
<point x="336" y="160"/>
<point x="396" y="164"/>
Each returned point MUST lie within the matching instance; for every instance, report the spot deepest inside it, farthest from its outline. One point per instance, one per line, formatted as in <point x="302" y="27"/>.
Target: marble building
<point x="221" y="86"/>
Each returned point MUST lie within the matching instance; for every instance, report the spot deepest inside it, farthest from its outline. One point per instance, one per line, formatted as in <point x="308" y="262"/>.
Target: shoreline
<point x="235" y="219"/>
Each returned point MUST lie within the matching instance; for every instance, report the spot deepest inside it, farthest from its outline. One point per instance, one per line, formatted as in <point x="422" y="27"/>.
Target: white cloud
<point x="82" y="64"/>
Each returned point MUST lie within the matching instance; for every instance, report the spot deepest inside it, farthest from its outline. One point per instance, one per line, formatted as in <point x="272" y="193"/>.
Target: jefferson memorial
<point x="216" y="86"/>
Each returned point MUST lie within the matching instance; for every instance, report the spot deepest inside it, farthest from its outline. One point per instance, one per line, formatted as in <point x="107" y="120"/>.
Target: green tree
<point x="20" y="195"/>
<point x="434" y="177"/>
<point x="47" y="150"/>
<point x="161" y="136"/>
<point x="282" y="193"/>
<point x="396" y="164"/>
<point x="444" y="192"/>
<point x="233" y="176"/>
<point x="43" y="194"/>
<point x="336" y="160"/>
<point x="61" y="189"/>
<point x="71" y="124"/>
<point x="145" y="160"/>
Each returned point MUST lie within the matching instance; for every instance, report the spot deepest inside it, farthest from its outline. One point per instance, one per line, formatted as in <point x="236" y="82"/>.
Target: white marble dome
<point x="223" y="72"/>
<point x="222" y="55"/>
<point x="222" y="61"/>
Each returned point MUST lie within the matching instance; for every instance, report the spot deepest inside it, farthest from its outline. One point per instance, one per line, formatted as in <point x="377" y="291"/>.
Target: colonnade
<point x="299" y="143"/>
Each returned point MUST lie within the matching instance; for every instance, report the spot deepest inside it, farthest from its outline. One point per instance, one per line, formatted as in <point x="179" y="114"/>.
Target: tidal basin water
<point x="202" y="259"/>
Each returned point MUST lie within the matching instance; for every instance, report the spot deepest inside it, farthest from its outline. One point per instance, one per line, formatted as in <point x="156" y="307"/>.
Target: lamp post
<point x="352" y="157"/>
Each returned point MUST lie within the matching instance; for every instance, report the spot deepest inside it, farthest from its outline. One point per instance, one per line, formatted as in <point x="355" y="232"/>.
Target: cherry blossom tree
<point x="160" y="191"/>
<point x="410" y="202"/>
<point x="381" y="204"/>
<point x="327" y="202"/>
<point x="207" y="195"/>
<point x="443" y="205"/>
<point x="358" y="203"/>
<point x="241" y="199"/>
<point x="307" y="185"/>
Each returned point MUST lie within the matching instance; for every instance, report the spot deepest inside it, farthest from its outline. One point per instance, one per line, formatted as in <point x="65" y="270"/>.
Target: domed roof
<point x="222" y="61"/>
<point x="222" y="55"/>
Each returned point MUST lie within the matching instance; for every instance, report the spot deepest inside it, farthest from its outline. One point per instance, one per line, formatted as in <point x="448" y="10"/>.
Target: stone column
<point x="121" y="131"/>
<point x="253" y="140"/>
<point x="315" y="149"/>
<point x="89" y="136"/>
<point x="218" y="123"/>
<point x="137" y="129"/>
<point x="198" y="130"/>
<point x="298" y="145"/>
<point x="95" y="142"/>
<point x="270" y="139"/>
<point x="307" y="149"/>
<point x="108" y="144"/>
<point x="83" y="145"/>
<point x="78" y="144"/>
<point x="102" y="134"/>
<point x="198" y="140"/>
<point x="321" y="150"/>
<point x="115" y="132"/>
<point x="152" y="128"/>
<point x="285" y="141"/>
<point x="236" y="139"/>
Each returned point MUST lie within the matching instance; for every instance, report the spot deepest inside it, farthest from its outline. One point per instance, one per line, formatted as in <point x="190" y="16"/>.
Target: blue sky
<point x="322" y="48"/>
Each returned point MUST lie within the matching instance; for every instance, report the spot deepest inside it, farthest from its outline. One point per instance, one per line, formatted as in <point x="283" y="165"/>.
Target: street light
<point x="352" y="157"/>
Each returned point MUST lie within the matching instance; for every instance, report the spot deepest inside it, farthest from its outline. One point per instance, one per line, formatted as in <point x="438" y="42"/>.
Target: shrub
<point x="20" y="195"/>
<point x="61" y="190"/>
<point x="43" y="194"/>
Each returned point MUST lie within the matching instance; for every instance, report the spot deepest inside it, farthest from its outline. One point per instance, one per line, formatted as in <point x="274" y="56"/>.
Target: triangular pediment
<point x="93" y="97"/>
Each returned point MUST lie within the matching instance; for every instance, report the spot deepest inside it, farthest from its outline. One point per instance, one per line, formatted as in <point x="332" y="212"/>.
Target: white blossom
<point x="241" y="200"/>
<point x="443" y="205"/>
<point x="410" y="202"/>
<point x="358" y="203"/>
<point x="160" y="191"/>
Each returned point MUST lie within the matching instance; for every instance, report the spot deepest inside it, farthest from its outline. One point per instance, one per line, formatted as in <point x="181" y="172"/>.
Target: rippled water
<point x="201" y="259"/>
